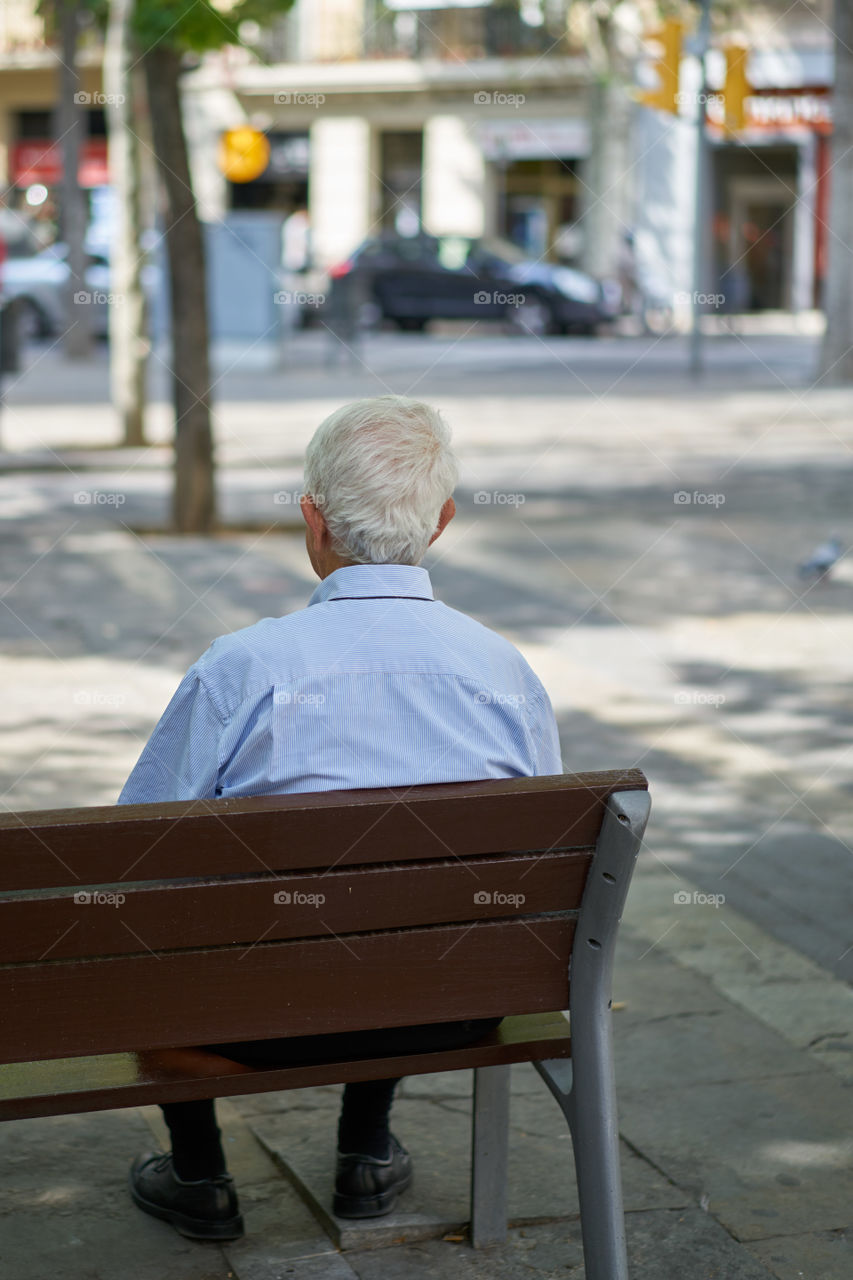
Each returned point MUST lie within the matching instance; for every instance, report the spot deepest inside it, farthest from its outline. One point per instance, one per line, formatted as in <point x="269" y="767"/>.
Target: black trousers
<point x="383" y="1043"/>
<point x="363" y="1126"/>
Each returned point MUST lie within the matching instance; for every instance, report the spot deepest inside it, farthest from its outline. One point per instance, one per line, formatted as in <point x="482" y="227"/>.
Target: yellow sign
<point x="243" y="153"/>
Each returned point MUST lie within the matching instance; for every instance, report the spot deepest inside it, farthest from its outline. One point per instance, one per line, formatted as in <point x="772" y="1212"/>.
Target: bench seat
<point x="64" y="1086"/>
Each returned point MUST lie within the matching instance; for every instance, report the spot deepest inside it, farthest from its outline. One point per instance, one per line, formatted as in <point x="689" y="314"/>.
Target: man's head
<point x="379" y="475"/>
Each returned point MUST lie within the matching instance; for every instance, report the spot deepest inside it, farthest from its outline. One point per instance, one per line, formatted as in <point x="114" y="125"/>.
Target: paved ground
<point x="672" y="634"/>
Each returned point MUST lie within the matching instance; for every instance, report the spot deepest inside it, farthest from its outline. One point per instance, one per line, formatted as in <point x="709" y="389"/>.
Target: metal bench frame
<point x="583" y="1085"/>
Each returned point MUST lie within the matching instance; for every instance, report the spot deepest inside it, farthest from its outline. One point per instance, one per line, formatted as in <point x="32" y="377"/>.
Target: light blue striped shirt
<point x="374" y="684"/>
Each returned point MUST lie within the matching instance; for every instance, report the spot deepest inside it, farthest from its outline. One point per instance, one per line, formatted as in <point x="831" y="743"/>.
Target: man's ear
<point x="313" y="517"/>
<point x="448" y="511"/>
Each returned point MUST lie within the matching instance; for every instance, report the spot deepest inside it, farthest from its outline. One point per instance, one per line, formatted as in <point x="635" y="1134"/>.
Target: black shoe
<point x="203" y="1210"/>
<point x="366" y="1187"/>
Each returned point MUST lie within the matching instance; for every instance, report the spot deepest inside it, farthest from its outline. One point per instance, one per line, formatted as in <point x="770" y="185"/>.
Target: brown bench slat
<point x="397" y="978"/>
<point x="46" y="849"/>
<point x="217" y="913"/>
<point x="69" y="1085"/>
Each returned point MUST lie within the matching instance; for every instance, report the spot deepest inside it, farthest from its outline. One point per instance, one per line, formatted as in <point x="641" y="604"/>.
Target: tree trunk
<point x="605" y="195"/>
<point x="70" y="122"/>
<point x="127" y="315"/>
<point x="836" y="363"/>
<point x="194" y="502"/>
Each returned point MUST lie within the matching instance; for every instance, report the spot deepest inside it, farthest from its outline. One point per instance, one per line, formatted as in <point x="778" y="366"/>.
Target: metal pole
<point x="701" y="224"/>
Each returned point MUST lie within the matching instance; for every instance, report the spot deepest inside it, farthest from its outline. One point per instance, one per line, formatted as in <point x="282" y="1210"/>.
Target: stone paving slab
<point x="437" y="1132"/>
<point x="662" y="1245"/>
<point x="448" y="1085"/>
<point x="273" y="1249"/>
<point x="437" y="1084"/>
<point x="65" y="1211"/>
<point x="650" y="985"/>
<point x="703" y="1048"/>
<point x="772" y="982"/>
<point x="826" y="1255"/>
<point x="769" y="1156"/>
<point x="320" y="1266"/>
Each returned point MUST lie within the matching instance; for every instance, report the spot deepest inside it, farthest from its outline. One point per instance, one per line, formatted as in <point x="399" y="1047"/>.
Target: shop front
<point x="771" y="188"/>
<point x="536" y="183"/>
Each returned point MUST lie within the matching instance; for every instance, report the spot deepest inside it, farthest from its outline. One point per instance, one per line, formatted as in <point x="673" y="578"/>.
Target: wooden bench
<point x="128" y="935"/>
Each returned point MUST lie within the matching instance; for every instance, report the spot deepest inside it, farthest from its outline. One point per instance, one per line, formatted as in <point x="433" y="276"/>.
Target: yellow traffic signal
<point x="737" y="88"/>
<point x="665" y="97"/>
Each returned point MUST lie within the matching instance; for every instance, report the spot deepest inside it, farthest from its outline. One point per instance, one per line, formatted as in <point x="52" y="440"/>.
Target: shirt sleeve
<point x="542" y="723"/>
<point x="181" y="758"/>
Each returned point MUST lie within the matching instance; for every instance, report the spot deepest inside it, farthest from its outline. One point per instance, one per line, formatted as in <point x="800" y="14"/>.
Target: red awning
<point x="41" y="161"/>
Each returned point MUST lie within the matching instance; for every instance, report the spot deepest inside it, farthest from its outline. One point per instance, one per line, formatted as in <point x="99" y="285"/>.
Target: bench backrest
<point x="156" y="926"/>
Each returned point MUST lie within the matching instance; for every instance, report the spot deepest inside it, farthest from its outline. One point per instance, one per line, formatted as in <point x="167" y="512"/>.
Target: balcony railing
<point x="447" y="34"/>
<point x="459" y="35"/>
<point x="21" y="28"/>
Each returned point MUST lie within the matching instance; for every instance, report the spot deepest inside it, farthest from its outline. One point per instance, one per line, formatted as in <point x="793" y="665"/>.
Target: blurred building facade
<point x="473" y="119"/>
<point x="29" y="154"/>
<point x="455" y="119"/>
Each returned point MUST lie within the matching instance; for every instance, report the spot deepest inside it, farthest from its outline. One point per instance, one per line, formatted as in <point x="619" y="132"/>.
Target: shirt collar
<point x="363" y="581"/>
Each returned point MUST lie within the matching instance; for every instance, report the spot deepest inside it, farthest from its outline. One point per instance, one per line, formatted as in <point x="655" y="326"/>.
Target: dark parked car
<point x="412" y="280"/>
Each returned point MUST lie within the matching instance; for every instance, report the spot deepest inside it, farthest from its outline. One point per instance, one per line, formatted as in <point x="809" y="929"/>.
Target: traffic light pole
<point x="700" y="229"/>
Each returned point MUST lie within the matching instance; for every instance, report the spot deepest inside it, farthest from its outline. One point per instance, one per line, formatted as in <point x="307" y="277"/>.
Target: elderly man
<point x="374" y="684"/>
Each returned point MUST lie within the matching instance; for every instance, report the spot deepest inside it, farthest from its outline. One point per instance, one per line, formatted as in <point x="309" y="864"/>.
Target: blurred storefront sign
<point x="533" y="139"/>
<point x="781" y="109"/>
<point x="41" y="161"/>
<point x="772" y="179"/>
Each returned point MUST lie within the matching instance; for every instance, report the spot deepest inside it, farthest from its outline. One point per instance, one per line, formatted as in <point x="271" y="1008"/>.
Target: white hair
<point x="380" y="470"/>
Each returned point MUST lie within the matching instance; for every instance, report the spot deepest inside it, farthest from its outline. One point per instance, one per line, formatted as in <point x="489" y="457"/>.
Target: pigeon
<point x="821" y="560"/>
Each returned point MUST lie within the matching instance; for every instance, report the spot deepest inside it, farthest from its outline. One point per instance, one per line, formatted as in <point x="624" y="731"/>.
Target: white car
<point x="39" y="281"/>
